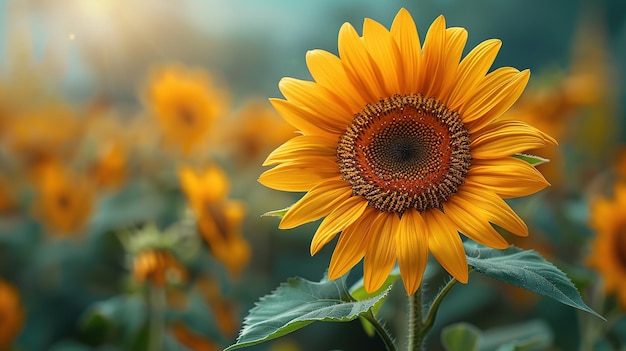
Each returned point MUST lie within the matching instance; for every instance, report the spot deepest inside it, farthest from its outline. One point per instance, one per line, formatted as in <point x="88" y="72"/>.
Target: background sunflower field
<point x="132" y="135"/>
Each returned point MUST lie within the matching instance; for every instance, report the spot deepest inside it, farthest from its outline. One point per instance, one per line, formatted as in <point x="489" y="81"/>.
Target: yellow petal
<point x="473" y="224"/>
<point x="433" y="52"/>
<point x="407" y="39"/>
<point x="508" y="177"/>
<point x="380" y="255"/>
<point x="412" y="249"/>
<point x="300" y="175"/>
<point x="483" y="109"/>
<point x="472" y="70"/>
<point x="385" y="53"/>
<point x="493" y="207"/>
<point x="317" y="203"/>
<point x="352" y="244"/>
<point x="505" y="138"/>
<point x="302" y="146"/>
<point x="445" y="244"/>
<point x="328" y="71"/>
<point x="345" y="214"/>
<point x="455" y="43"/>
<point x="359" y="65"/>
<point x="326" y="109"/>
<point x="301" y="118"/>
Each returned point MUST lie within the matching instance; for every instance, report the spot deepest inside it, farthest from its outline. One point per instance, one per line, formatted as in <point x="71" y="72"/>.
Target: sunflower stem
<point x="415" y="322"/>
<point x="157" y="302"/>
<point x="381" y="331"/>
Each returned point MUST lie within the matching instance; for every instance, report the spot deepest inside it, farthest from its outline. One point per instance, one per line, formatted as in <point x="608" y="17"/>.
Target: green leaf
<point x="276" y="213"/>
<point x="460" y="337"/>
<point x="532" y="159"/>
<point x="526" y="269"/>
<point x="298" y="303"/>
<point x="357" y="290"/>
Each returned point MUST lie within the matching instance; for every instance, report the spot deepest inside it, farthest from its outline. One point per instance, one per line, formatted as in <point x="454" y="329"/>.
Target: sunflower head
<point x="608" y="248"/>
<point x="401" y="149"/>
<point x="158" y="267"/>
<point x="65" y="200"/>
<point x="219" y="218"/>
<point x="11" y="314"/>
<point x="185" y="103"/>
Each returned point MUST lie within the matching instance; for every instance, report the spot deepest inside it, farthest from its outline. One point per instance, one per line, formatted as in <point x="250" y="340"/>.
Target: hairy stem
<point x="415" y="322"/>
<point x="381" y="331"/>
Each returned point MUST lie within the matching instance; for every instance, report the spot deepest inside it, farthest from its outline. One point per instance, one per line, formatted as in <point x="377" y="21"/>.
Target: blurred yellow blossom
<point x="65" y="199"/>
<point x="191" y="340"/>
<point x="34" y="138"/>
<point x="158" y="267"/>
<point x="11" y="315"/>
<point x="219" y="218"/>
<point x="109" y="169"/>
<point x="608" y="248"/>
<point x="241" y="132"/>
<point x="185" y="103"/>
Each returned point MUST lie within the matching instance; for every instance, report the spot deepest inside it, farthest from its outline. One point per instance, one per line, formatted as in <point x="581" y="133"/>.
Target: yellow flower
<point x="109" y="169"/>
<point x="401" y="149"/>
<point x="242" y="135"/>
<point x="157" y="267"/>
<point x="608" y="249"/>
<point x="185" y="104"/>
<point x="65" y="199"/>
<point x="34" y="138"/>
<point x="219" y="219"/>
<point x="191" y="340"/>
<point x="11" y="314"/>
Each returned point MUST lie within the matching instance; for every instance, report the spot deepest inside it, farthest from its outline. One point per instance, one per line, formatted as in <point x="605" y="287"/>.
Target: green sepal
<point x="276" y="213"/>
<point x="533" y="160"/>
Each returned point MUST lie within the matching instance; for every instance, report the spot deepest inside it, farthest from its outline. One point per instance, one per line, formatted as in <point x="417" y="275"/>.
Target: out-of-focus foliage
<point x="132" y="135"/>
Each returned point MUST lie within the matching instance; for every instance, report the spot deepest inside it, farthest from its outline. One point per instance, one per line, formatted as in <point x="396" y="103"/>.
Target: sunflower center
<point x="405" y="152"/>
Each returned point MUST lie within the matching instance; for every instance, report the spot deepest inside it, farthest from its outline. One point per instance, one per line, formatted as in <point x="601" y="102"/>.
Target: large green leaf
<point x="526" y="269"/>
<point x="358" y="292"/>
<point x="298" y="303"/>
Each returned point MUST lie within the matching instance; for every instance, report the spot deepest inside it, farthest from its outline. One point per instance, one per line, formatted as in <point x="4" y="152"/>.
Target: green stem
<point x="382" y="332"/>
<point x="415" y="322"/>
<point x="157" y="301"/>
<point x="434" y="307"/>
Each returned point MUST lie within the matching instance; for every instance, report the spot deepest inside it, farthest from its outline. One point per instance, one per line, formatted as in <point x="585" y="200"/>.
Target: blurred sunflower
<point x="401" y="149"/>
<point x="34" y="138"/>
<point x="11" y="315"/>
<point x="65" y="199"/>
<point x="185" y="104"/>
<point x="219" y="219"/>
<point x="157" y="267"/>
<point x="192" y="340"/>
<point x="608" y="249"/>
<point x="109" y="169"/>
<point x="242" y="136"/>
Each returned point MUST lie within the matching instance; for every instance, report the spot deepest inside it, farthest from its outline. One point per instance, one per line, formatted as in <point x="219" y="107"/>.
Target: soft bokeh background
<point x="89" y="181"/>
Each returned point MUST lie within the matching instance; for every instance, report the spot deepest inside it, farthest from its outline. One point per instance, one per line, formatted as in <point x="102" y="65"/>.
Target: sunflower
<point x="185" y="103"/>
<point x="608" y="250"/>
<point x="65" y="199"/>
<point x="11" y="314"/>
<point x="157" y="267"/>
<point x="219" y="218"/>
<point x="401" y="149"/>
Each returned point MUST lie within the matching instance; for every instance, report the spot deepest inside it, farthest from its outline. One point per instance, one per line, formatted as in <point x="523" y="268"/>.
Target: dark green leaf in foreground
<point x="526" y="269"/>
<point x="532" y="159"/>
<point x="298" y="303"/>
